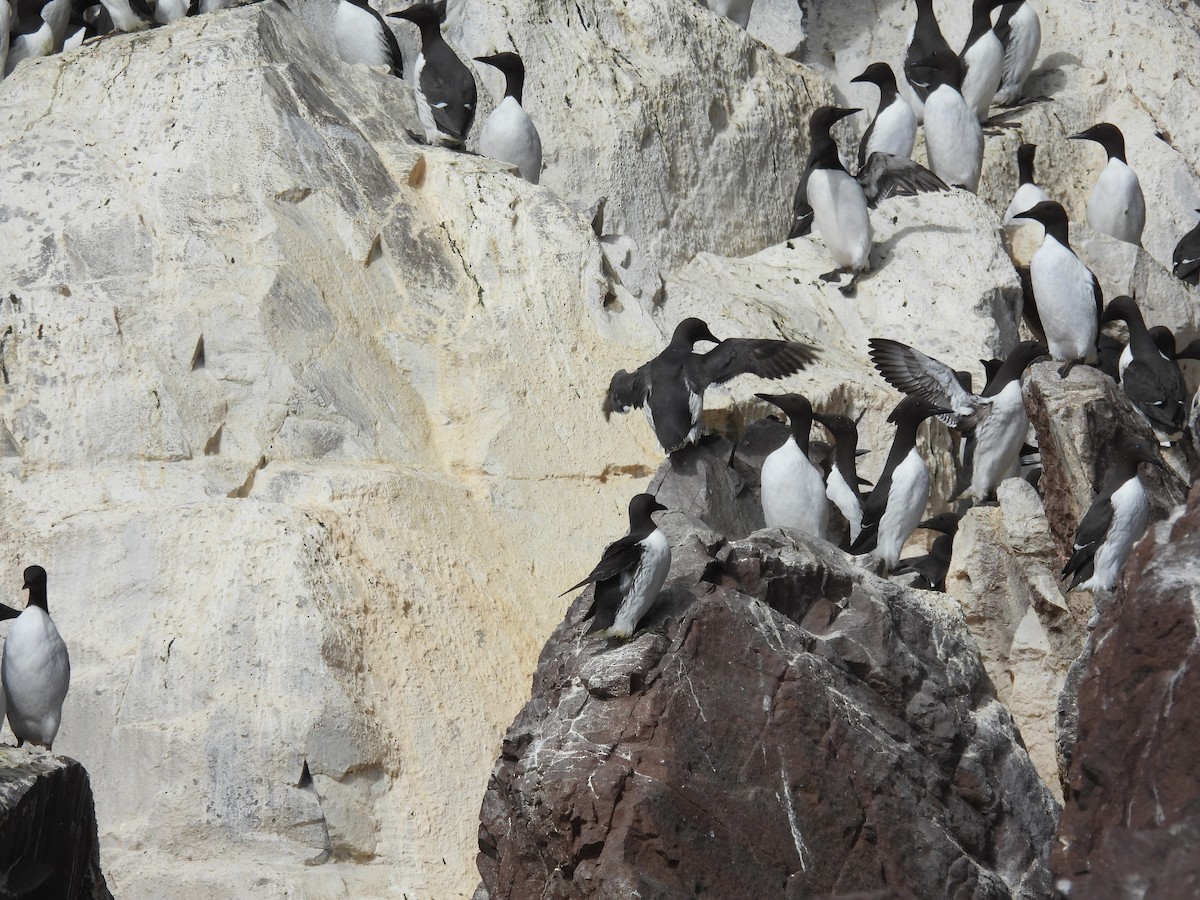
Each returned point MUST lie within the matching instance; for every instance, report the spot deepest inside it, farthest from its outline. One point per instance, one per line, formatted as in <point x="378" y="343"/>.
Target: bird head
<point x="689" y="331"/>
<point x="1122" y="309"/>
<point x="507" y="62"/>
<point x="34" y="576"/>
<point x="876" y="73"/>
<point x="1141" y="451"/>
<point x="914" y="409"/>
<point x="1048" y="212"/>
<point x="1106" y="135"/>
<point x="423" y="15"/>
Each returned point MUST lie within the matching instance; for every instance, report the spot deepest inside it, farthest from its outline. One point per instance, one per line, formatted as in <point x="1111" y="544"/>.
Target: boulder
<point x="785" y="724"/>
<point x="1129" y="826"/>
<point x="48" y="844"/>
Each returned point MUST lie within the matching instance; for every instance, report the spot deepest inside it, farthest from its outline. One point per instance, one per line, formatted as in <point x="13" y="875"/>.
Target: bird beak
<point x="861" y="452"/>
<point x="1026" y="215"/>
<point x="658" y="507"/>
<point x="769" y="398"/>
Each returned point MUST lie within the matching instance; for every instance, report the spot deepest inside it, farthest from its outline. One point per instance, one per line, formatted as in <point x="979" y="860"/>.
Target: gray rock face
<point x="785" y="725"/>
<point x="48" y="843"/>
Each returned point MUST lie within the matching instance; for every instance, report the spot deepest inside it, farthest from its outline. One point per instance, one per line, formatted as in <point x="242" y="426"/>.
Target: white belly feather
<point x="953" y="138"/>
<point x="509" y="135"/>
<point x="36" y="673"/>
<point x="1025" y="39"/>
<point x="840" y="214"/>
<point x="1116" y="206"/>
<point x="358" y="37"/>
<point x="998" y="441"/>
<point x="1130" y="512"/>
<point x="845" y="500"/>
<point x="1063" y="292"/>
<point x="894" y="131"/>
<point x="639" y="588"/>
<point x="985" y="65"/>
<point x="1026" y="198"/>
<point x="793" y="492"/>
<point x="906" y="504"/>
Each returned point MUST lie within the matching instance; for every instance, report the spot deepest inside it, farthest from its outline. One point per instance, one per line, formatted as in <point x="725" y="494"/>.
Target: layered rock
<point x="48" y="844"/>
<point x="1130" y="825"/>
<point x="784" y="725"/>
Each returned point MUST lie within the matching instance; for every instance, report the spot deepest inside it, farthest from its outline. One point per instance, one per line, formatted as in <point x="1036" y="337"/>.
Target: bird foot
<point x="849" y="289"/>
<point x="1065" y="369"/>
<point x="835" y="275"/>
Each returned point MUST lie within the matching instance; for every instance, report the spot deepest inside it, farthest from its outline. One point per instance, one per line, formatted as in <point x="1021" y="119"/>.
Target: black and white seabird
<point x="1114" y="522"/>
<point x="982" y="59"/>
<point x="953" y="136"/>
<point x="1020" y="33"/>
<point x="933" y="566"/>
<point x="363" y="38"/>
<point x="36" y="670"/>
<point x="1151" y="379"/>
<point x="443" y="84"/>
<point x="994" y="423"/>
<point x="1028" y="194"/>
<point x="842" y="484"/>
<point x="840" y="201"/>
<point x="671" y="386"/>
<point x="630" y="573"/>
<point x="894" y="128"/>
<point x="896" y="504"/>
<point x="1185" y="261"/>
<point x="1067" y="295"/>
<point x="509" y="134"/>
<point x="37" y="29"/>
<point x="926" y="40"/>
<point x="1115" y="206"/>
<point x="793" y="491"/>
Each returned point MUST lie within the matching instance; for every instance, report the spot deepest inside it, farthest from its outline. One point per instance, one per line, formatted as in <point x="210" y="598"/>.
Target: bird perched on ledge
<point x="1114" y="522"/>
<point x="630" y="573"/>
<point x="36" y="671"/>
<point x="671" y="386"/>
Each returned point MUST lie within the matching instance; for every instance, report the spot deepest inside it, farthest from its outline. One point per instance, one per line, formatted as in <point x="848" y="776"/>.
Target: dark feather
<point x="627" y="390"/>
<point x="747" y="356"/>
<point x="911" y="371"/>
<point x="802" y="213"/>
<point x="1091" y="532"/>
<point x="886" y="175"/>
<point x="620" y="556"/>
<point x="1156" y="387"/>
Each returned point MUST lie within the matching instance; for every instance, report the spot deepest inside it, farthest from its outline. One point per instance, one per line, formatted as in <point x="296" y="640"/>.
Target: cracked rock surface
<point x="785" y="726"/>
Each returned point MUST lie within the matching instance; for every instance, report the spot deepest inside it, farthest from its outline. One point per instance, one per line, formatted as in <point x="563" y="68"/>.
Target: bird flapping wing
<point x="627" y="390"/>
<point x="886" y="175"/>
<point x="912" y="372"/>
<point x="747" y="356"/>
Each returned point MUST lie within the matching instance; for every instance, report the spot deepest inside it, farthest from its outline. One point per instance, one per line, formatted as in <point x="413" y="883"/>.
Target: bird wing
<point x="746" y="356"/>
<point x="627" y="390"/>
<point x="1091" y="532"/>
<point x="912" y="372"/>
<point x="437" y="81"/>
<point x="395" y="58"/>
<point x="802" y="212"/>
<point x="1098" y="293"/>
<point x="619" y="556"/>
<point x="7" y="612"/>
<point x="1156" y="387"/>
<point x="886" y="175"/>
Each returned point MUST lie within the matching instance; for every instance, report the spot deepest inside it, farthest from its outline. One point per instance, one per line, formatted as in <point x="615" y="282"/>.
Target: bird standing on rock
<point x="793" y="491"/>
<point x="1028" y="194"/>
<point x="894" y="128"/>
<point x="982" y="59"/>
<point x="1020" y="33"/>
<point x="1065" y="292"/>
<point x="671" y="386"/>
<point x="509" y="134"/>
<point x="896" y="504"/>
<point x="1151" y="380"/>
<point x="842" y="484"/>
<point x="443" y="85"/>
<point x="1116" y="206"/>
<point x="1113" y="523"/>
<point x="630" y="573"/>
<point x="36" y="670"/>
<point x="953" y="136"/>
<point x="926" y="40"/>
<point x="362" y="37"/>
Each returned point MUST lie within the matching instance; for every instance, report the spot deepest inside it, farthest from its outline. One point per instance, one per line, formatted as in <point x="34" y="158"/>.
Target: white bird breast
<point x="840" y="214"/>
<point x="793" y="492"/>
<point x="1026" y="198"/>
<point x="845" y="500"/>
<point x="36" y="672"/>
<point x="640" y="589"/>
<point x="509" y="135"/>
<point x="1025" y="39"/>
<point x="998" y="441"/>
<point x="1130" y="512"/>
<point x="894" y="130"/>
<point x="906" y="503"/>
<point x="1062" y="291"/>
<point x="953" y="138"/>
<point x="359" y="40"/>
<point x="1116" y="206"/>
<point x="985" y="65"/>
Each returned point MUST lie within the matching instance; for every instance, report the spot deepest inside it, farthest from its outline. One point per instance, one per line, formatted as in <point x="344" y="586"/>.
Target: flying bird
<point x="671" y="386"/>
<point x="630" y="573"/>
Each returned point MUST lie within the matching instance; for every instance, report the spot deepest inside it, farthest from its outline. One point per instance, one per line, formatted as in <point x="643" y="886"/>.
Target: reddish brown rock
<point x="1131" y="824"/>
<point x="784" y="725"/>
